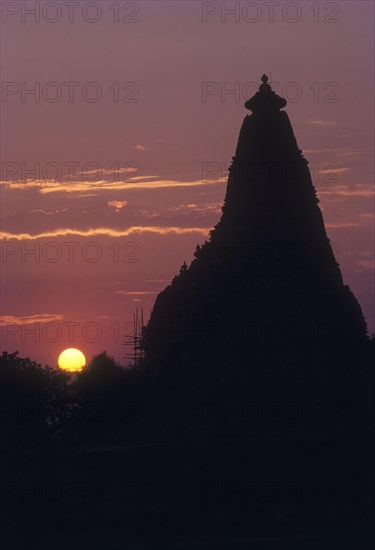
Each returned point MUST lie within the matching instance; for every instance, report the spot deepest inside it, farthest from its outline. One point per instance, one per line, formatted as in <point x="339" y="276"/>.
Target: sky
<point x="118" y="123"/>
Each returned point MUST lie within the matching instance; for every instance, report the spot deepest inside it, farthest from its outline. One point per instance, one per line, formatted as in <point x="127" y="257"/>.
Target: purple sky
<point x="173" y="138"/>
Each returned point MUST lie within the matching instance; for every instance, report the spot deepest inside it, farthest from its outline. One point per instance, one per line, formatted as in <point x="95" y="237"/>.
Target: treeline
<point x="43" y="407"/>
<point x="107" y="404"/>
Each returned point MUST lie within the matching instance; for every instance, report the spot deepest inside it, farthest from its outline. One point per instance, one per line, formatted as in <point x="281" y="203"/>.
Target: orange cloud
<point x="367" y="264"/>
<point x="333" y="171"/>
<point x="29" y="319"/>
<point x="135" y="292"/>
<point x="361" y="190"/>
<point x="106" y="232"/>
<point x="117" y="204"/>
<point x="41" y="211"/>
<point x="321" y="123"/>
<point x="342" y="225"/>
<point x="340" y="151"/>
<point x="146" y="182"/>
<point x="201" y="208"/>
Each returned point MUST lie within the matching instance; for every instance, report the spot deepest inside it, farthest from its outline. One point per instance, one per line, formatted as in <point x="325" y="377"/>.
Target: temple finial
<point x="265" y="99"/>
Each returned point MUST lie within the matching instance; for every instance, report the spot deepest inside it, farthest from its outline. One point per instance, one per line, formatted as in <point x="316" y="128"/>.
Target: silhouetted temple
<point x="264" y="297"/>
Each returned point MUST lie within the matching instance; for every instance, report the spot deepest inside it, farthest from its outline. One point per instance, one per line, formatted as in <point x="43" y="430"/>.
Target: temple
<point x="264" y="298"/>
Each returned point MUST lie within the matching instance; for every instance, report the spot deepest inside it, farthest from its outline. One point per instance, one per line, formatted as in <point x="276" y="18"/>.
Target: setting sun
<point x="71" y="360"/>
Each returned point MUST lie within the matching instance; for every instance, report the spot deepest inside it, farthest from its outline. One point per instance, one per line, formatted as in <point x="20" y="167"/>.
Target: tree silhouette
<point x="34" y="401"/>
<point x="107" y="397"/>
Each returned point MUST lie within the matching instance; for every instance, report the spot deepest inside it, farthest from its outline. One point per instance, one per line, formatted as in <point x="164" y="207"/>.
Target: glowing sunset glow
<point x="72" y="360"/>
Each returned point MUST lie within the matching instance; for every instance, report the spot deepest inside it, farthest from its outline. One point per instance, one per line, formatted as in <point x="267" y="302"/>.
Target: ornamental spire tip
<point x="265" y="100"/>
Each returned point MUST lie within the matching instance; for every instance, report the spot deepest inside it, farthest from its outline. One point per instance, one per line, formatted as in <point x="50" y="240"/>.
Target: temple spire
<point x="265" y="99"/>
<point x="265" y="290"/>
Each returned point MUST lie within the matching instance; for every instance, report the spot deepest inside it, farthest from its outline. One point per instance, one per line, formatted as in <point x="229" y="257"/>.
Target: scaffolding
<point x="135" y="340"/>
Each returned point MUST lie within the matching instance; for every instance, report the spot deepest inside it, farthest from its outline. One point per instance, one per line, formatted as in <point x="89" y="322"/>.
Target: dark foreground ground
<point x="219" y="494"/>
